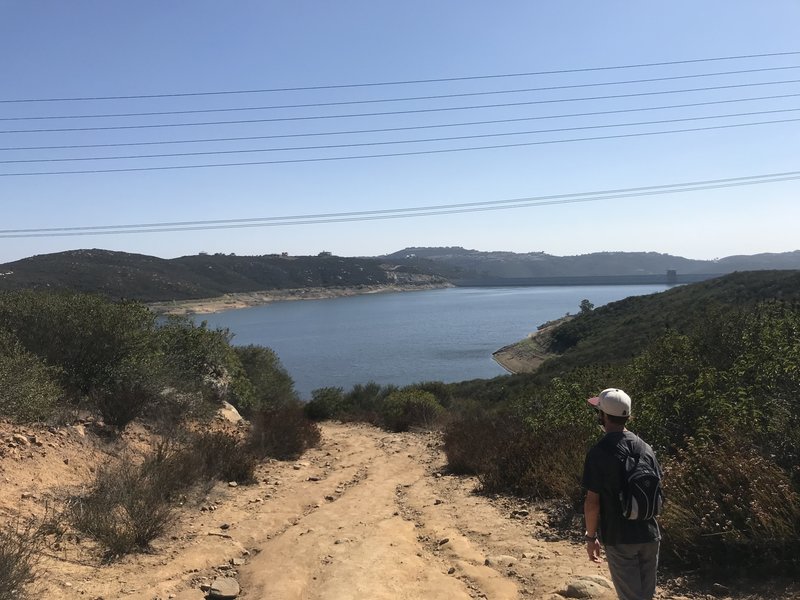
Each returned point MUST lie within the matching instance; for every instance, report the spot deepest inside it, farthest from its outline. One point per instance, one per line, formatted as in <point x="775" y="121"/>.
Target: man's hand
<point x="591" y="514"/>
<point x="593" y="550"/>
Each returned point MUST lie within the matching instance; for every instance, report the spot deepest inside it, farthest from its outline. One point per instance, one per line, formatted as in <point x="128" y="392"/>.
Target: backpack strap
<point x="613" y="448"/>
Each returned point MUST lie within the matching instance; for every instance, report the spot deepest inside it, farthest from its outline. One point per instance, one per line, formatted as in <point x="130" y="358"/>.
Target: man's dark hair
<point x="616" y="420"/>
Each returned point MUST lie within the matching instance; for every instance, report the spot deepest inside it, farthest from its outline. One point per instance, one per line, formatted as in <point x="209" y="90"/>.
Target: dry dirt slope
<point x="367" y="515"/>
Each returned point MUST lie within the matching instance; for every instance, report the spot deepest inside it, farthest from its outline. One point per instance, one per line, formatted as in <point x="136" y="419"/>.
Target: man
<point x="631" y="546"/>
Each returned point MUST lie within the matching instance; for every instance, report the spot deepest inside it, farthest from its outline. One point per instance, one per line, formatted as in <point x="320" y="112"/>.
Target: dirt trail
<point x="368" y="515"/>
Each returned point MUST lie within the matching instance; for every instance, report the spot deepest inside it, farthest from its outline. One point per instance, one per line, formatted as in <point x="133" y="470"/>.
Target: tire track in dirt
<point x="359" y="546"/>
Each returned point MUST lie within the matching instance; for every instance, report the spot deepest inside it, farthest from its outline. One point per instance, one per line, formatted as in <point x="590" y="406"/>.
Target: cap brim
<point x="594" y="401"/>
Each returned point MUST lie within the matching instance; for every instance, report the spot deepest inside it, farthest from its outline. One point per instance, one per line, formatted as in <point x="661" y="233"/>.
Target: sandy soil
<point x="367" y="515"/>
<point x="247" y="299"/>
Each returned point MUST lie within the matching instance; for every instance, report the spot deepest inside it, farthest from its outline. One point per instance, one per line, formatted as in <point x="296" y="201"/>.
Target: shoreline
<point x="237" y="300"/>
<point x="528" y="354"/>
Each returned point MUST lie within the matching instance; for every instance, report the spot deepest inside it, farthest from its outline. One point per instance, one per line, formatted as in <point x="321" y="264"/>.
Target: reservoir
<point x="402" y="338"/>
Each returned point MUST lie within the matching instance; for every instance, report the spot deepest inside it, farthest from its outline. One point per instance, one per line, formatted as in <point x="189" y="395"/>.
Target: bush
<point x="508" y="457"/>
<point x="326" y="403"/>
<point x="282" y="432"/>
<point x="470" y="440"/>
<point x="200" y="361"/>
<point x="121" y="401"/>
<point x="271" y="384"/>
<point x="129" y="505"/>
<point x="363" y="402"/>
<point x="28" y="388"/>
<point x="527" y="465"/>
<point x="18" y="556"/>
<point x="87" y="336"/>
<point x="126" y="509"/>
<point x="443" y="392"/>
<point x="408" y="408"/>
<point x="223" y="456"/>
<point x="202" y="457"/>
<point x="728" y="507"/>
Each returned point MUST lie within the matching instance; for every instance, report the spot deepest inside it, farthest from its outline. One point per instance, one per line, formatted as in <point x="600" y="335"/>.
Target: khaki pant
<point x="633" y="569"/>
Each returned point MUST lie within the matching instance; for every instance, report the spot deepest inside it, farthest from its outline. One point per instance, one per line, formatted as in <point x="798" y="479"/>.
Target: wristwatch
<point x="588" y="537"/>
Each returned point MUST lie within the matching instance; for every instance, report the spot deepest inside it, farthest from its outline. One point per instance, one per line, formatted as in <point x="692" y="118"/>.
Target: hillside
<point x="617" y="331"/>
<point x="151" y="279"/>
<point x="460" y="263"/>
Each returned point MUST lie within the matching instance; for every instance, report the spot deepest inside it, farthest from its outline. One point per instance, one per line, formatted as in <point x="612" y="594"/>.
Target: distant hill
<point x="460" y="263"/>
<point x="620" y="330"/>
<point x="151" y="279"/>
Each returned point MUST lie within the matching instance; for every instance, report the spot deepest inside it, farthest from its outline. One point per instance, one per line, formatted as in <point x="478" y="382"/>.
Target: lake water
<point x="401" y="338"/>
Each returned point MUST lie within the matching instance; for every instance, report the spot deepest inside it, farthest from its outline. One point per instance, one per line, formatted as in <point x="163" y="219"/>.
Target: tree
<point x="586" y="306"/>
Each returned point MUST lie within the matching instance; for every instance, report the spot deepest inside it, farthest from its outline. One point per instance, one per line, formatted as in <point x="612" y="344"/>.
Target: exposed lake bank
<point x="526" y="355"/>
<point x="238" y="300"/>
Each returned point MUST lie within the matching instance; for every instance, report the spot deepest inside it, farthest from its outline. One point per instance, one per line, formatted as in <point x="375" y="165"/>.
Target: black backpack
<point x="640" y="493"/>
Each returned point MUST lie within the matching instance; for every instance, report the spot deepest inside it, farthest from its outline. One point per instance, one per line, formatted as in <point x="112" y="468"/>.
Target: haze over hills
<point x="151" y="279"/>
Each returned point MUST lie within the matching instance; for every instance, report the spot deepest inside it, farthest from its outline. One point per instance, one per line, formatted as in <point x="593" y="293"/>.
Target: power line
<point x="393" y="142"/>
<point x="394" y="213"/>
<point x="394" y="154"/>
<point x="390" y="129"/>
<point x="400" y="112"/>
<point x="403" y="82"/>
<point x="405" y="99"/>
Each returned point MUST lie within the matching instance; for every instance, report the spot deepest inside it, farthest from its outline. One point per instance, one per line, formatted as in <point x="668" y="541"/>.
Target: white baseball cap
<point x="612" y="401"/>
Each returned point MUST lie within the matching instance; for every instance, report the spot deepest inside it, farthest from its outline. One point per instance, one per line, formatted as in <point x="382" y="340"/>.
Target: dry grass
<point x="19" y="547"/>
<point x="728" y="506"/>
<point x="132" y="503"/>
<point x="125" y="510"/>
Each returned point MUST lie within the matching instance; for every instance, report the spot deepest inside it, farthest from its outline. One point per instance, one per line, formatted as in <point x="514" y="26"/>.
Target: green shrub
<point x="728" y="507"/>
<point x="88" y="337"/>
<point x="443" y="392"/>
<point x="529" y="465"/>
<point x="28" y="388"/>
<point x="282" y="432"/>
<point x="408" y="408"/>
<point x="326" y="403"/>
<point x="363" y="402"/>
<point x="200" y="361"/>
<point x="271" y="384"/>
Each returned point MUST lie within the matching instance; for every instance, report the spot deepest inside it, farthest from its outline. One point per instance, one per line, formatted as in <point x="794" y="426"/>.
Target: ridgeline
<point x="118" y="275"/>
<point x="121" y="275"/>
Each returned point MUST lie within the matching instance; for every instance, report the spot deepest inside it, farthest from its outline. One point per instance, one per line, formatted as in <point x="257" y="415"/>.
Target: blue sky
<point x="98" y="49"/>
